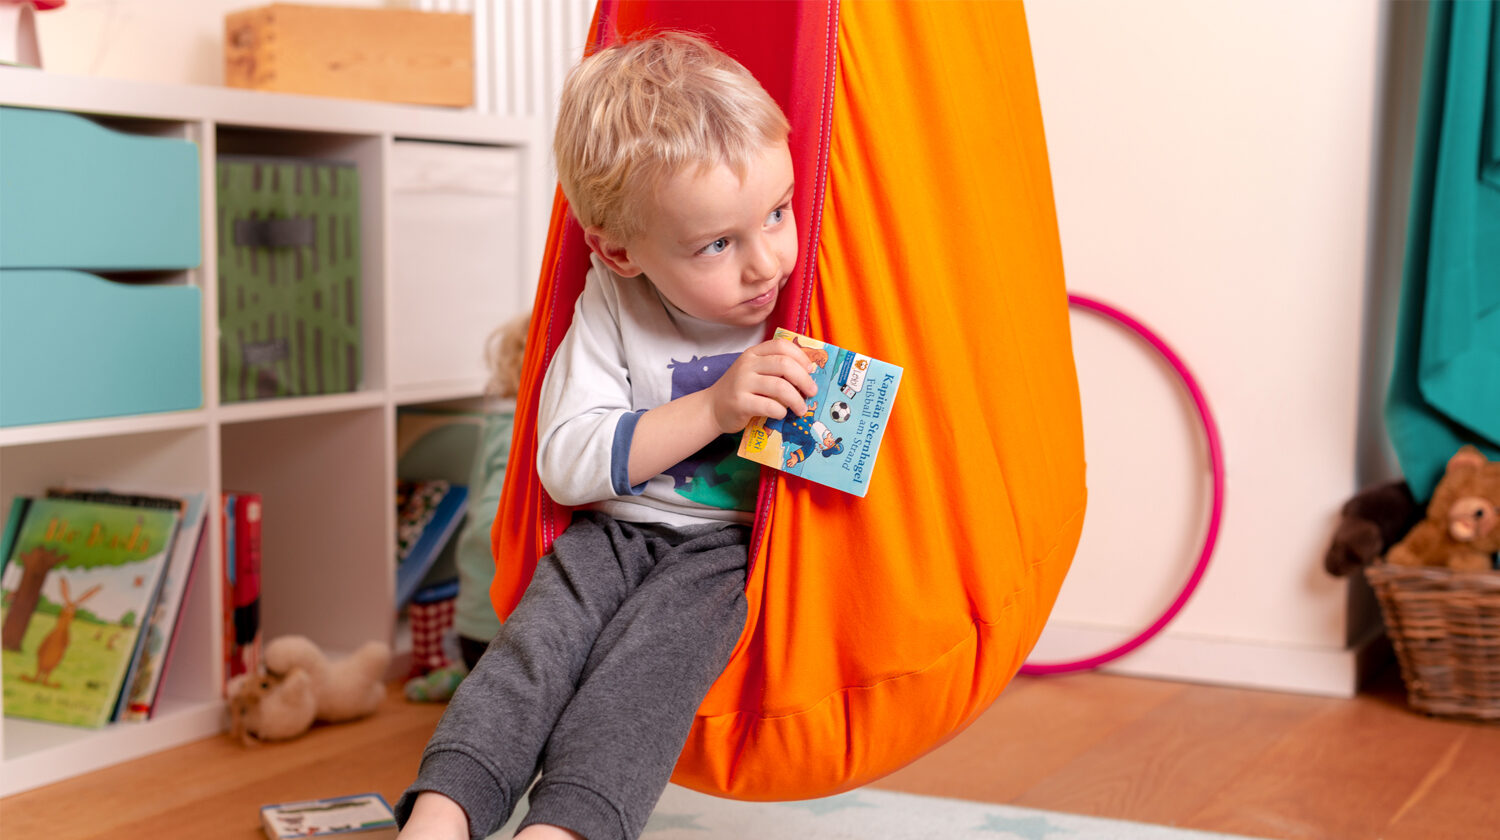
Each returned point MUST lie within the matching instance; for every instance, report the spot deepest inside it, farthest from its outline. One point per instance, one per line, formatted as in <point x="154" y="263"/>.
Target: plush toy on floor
<point x="300" y="685"/>
<point x="1462" y="528"/>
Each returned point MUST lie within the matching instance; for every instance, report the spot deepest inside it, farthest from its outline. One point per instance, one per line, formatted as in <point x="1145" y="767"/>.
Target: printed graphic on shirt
<point x="713" y="476"/>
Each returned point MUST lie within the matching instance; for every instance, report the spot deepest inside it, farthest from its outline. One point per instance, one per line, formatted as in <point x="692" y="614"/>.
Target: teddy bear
<point x="299" y="685"/>
<point x="1462" y="529"/>
<point x="1370" y="522"/>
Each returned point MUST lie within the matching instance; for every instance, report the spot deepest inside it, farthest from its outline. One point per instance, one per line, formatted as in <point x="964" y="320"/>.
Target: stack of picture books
<point x="92" y="584"/>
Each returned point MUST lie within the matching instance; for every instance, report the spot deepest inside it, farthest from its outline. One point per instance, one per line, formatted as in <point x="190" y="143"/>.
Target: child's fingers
<point x="766" y="406"/>
<point x="787" y="362"/>
<point x="782" y="347"/>
<point x="784" y="393"/>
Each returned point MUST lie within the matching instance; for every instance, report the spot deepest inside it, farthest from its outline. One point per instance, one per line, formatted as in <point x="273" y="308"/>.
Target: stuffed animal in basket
<point x="1462" y="528"/>
<point x="1369" y="523"/>
<point x="301" y="685"/>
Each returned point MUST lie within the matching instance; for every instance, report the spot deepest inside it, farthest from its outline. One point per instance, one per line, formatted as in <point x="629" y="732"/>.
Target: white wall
<point x="1233" y="174"/>
<point x="147" y="40"/>
<point x="1215" y="168"/>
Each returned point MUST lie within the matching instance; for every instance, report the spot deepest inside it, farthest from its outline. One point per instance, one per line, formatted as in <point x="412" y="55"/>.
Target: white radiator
<point x="522" y="51"/>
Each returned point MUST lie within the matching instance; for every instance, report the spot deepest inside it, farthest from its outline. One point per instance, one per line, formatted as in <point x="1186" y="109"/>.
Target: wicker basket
<point x="1445" y="627"/>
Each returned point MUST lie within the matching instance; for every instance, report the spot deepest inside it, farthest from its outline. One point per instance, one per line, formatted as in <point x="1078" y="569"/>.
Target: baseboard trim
<point x="1329" y="672"/>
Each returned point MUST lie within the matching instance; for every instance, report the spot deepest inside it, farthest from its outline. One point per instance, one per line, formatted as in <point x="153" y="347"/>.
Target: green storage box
<point x="74" y="346"/>
<point x="289" y="277"/>
<point x="74" y="194"/>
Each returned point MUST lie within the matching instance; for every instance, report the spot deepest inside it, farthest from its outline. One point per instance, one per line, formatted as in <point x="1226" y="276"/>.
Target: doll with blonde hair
<point x="470" y="615"/>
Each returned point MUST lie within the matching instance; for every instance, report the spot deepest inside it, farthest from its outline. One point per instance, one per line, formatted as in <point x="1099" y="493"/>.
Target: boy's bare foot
<point x="547" y="832"/>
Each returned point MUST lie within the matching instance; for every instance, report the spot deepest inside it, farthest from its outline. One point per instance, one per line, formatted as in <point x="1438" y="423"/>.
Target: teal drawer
<point x="74" y="194"/>
<point x="75" y="346"/>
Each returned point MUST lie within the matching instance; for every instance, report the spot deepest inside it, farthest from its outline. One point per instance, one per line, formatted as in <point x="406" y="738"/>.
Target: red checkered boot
<point x="434" y="674"/>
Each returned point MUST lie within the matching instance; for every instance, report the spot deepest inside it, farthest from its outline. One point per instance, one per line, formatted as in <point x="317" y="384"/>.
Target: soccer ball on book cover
<point x="839" y="411"/>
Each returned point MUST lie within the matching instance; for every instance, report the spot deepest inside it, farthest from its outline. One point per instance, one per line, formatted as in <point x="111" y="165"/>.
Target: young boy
<point x="675" y="162"/>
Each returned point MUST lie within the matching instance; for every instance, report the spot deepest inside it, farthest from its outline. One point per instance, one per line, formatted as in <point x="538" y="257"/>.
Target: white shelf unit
<point x="324" y="465"/>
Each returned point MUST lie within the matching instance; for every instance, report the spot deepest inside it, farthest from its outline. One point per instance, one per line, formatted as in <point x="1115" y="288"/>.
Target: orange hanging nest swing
<point x="878" y="627"/>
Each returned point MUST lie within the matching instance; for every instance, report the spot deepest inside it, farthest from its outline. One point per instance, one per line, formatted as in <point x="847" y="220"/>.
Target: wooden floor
<point x="1243" y="762"/>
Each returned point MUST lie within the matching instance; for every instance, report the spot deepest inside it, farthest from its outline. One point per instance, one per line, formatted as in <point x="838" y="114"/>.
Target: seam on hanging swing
<point x="1066" y="526"/>
<point x="548" y="515"/>
<point x="974" y="622"/>
<point x="767" y="498"/>
<point x="825" y="121"/>
<point x="971" y="633"/>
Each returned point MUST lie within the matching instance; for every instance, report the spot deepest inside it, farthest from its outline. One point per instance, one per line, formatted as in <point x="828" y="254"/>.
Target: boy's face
<point x="717" y="248"/>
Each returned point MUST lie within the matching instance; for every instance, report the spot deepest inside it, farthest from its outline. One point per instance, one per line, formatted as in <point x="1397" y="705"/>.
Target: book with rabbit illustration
<point x="79" y="585"/>
<point x="835" y="442"/>
<point x="154" y="647"/>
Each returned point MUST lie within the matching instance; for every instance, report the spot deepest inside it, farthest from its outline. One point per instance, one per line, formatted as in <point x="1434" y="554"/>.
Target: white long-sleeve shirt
<point x="630" y="350"/>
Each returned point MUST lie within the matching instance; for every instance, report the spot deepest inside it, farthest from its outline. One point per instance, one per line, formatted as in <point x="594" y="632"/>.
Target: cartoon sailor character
<point x="803" y="434"/>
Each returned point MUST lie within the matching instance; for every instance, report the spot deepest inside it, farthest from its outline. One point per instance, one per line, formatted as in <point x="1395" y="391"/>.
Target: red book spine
<point x="247" y="510"/>
<point x="226" y="600"/>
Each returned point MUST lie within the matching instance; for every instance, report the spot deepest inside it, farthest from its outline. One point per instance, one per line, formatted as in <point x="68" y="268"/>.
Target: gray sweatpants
<point x="594" y="680"/>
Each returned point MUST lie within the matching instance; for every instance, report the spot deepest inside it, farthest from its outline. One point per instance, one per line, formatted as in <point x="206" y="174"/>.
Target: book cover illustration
<point x="142" y="688"/>
<point x="146" y="666"/>
<point x="428" y="514"/>
<point x="365" y="814"/>
<point x="836" y="441"/>
<point x="77" y="590"/>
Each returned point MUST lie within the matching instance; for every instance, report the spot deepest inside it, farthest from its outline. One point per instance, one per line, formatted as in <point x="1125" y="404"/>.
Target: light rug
<point x="869" y="814"/>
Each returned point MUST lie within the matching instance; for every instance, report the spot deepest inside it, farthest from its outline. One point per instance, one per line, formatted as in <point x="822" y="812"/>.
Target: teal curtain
<point x="1445" y="384"/>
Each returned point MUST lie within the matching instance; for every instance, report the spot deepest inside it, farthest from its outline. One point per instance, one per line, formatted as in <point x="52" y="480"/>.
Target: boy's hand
<point x="765" y="381"/>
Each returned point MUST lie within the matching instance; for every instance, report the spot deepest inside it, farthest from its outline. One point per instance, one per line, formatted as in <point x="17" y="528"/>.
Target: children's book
<point x="18" y="507"/>
<point x="366" y="816"/>
<point x="441" y="444"/>
<point x="836" y="441"/>
<point x="139" y="695"/>
<point x="78" y="589"/>
<point x="226" y="591"/>
<point x="166" y="625"/>
<point x="428" y="514"/>
<point x="242" y="562"/>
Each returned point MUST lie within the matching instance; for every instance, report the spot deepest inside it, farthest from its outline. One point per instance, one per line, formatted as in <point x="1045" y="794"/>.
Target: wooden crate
<point x="391" y="55"/>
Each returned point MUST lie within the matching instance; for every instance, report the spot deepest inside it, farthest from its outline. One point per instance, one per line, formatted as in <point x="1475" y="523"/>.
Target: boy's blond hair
<point x="634" y="114"/>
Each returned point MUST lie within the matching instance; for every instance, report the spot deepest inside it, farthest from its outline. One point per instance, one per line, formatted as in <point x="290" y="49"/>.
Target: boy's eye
<point x="776" y="216"/>
<point x="715" y="247"/>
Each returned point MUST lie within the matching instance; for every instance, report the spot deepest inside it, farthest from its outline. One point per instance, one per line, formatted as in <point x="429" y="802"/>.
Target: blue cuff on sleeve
<point x="619" y="458"/>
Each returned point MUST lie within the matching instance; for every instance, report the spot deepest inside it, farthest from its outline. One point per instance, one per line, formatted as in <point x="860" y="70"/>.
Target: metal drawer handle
<point x="274" y="233"/>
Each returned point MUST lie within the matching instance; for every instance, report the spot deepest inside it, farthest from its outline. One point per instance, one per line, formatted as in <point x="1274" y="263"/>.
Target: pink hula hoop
<point x="1216" y="458"/>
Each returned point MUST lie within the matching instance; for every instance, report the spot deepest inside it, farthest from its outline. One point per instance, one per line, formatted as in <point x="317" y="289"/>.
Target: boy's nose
<point x="760" y="262"/>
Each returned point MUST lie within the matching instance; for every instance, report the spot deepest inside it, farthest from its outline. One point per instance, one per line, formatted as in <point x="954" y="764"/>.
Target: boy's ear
<point x="614" y="254"/>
